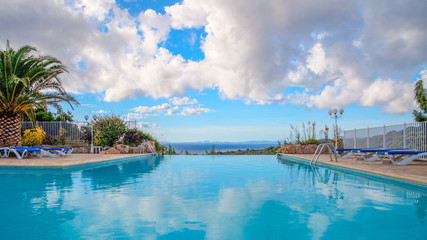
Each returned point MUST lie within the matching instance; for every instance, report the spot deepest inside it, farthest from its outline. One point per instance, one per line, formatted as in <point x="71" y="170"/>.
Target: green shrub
<point x="51" y="140"/>
<point x="308" y="135"/>
<point x="33" y="137"/>
<point x="340" y="141"/>
<point x="86" y="133"/>
<point x="107" y="130"/>
<point x="134" y="137"/>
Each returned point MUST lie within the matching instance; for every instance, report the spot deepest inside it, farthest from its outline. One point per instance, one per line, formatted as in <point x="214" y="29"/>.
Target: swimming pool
<point x="207" y="197"/>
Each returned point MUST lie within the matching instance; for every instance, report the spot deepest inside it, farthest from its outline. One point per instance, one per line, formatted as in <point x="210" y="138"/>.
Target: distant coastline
<point x="202" y="147"/>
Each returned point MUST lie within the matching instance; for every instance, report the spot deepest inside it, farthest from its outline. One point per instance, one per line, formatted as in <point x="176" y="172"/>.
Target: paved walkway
<point x="72" y="160"/>
<point x="414" y="171"/>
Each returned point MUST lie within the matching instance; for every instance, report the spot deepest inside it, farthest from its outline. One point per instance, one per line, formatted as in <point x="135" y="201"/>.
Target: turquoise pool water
<point x="207" y="197"/>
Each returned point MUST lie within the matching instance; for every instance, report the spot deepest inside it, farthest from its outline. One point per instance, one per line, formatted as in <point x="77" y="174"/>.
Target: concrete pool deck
<point x="72" y="160"/>
<point x="415" y="171"/>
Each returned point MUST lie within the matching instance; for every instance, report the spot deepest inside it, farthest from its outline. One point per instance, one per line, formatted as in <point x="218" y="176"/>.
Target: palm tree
<point x="421" y="98"/>
<point x="27" y="81"/>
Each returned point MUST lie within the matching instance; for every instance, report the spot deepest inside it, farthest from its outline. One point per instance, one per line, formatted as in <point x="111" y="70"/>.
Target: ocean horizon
<point x="202" y="147"/>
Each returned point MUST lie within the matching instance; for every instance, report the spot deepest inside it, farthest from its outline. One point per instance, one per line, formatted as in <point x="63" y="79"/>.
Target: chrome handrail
<point x="317" y="153"/>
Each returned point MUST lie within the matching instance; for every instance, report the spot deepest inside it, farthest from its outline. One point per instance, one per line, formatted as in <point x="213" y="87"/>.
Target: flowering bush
<point x="33" y="137"/>
<point x="107" y="130"/>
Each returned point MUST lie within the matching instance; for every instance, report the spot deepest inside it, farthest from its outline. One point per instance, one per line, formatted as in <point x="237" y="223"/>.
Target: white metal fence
<point x="60" y="133"/>
<point x="411" y="135"/>
<point x="74" y="133"/>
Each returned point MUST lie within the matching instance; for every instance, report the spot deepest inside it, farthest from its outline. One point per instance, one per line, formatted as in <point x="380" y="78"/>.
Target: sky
<point x="220" y="70"/>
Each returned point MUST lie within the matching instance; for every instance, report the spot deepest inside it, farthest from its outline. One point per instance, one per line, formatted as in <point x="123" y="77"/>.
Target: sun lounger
<point x="56" y="151"/>
<point x="371" y="155"/>
<point x="24" y="152"/>
<point x="352" y="151"/>
<point x="346" y="152"/>
<point x="4" y="152"/>
<point x="401" y="157"/>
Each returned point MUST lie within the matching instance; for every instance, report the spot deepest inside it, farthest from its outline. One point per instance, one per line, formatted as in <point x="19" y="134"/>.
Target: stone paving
<point x="72" y="160"/>
<point x="414" y="171"/>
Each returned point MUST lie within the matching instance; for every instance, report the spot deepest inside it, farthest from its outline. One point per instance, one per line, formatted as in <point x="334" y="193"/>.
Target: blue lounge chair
<point x="24" y="152"/>
<point x="401" y="157"/>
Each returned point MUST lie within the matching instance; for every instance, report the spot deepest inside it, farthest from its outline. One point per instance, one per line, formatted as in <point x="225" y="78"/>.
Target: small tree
<point x="421" y="98"/>
<point x="325" y="132"/>
<point x="27" y="81"/>
<point x="107" y="130"/>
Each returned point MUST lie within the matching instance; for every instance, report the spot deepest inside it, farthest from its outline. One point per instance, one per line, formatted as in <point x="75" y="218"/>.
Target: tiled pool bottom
<point x="208" y="197"/>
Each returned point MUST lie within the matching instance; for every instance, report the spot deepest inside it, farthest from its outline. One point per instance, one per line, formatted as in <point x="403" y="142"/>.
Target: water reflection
<point x="221" y="197"/>
<point x="37" y="204"/>
<point x="347" y="195"/>
<point x="117" y="175"/>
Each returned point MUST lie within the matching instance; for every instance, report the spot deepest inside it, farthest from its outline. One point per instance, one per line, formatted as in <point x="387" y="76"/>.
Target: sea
<point x="202" y="147"/>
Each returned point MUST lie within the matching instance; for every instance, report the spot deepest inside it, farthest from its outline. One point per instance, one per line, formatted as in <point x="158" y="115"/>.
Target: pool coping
<point x="71" y="167"/>
<point x="362" y="173"/>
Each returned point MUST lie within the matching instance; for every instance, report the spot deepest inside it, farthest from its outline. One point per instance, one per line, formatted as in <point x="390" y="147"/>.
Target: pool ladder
<point x="147" y="144"/>
<point x="316" y="155"/>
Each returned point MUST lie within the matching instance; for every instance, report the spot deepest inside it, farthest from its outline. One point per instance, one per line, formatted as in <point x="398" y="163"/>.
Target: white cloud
<point x="316" y="61"/>
<point x="143" y="109"/>
<point x="253" y="50"/>
<point x="188" y="14"/>
<point x="134" y="116"/>
<point x="162" y="108"/>
<point x="101" y="112"/>
<point x="167" y="109"/>
<point x="384" y="92"/>
<point x="195" y="110"/>
<point x="172" y="110"/>
<point x="147" y="125"/>
<point x="97" y="9"/>
<point x="183" y="101"/>
<point x="88" y="105"/>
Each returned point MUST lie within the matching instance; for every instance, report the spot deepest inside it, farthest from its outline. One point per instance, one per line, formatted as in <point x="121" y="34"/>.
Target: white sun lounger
<point x="348" y="152"/>
<point x="4" y="152"/>
<point x="56" y="151"/>
<point x="24" y="152"/>
<point x="401" y="157"/>
<point x="371" y="155"/>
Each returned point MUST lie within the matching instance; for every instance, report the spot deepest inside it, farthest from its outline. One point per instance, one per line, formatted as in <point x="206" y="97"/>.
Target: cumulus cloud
<point x="168" y="109"/>
<point x="188" y="14"/>
<point x="316" y="61"/>
<point x="195" y="110"/>
<point x="393" y="99"/>
<point x="143" y="109"/>
<point x="253" y="50"/>
<point x="147" y="125"/>
<point x="183" y="101"/>
<point x="134" y="116"/>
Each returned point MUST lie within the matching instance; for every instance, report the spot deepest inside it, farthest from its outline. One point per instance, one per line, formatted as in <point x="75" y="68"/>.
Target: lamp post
<point x="335" y="114"/>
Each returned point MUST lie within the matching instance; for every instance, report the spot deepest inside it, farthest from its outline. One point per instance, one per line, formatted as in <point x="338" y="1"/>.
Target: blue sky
<point x="222" y="70"/>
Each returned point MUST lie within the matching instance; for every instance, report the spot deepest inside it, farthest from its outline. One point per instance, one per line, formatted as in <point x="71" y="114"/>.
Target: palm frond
<point x="28" y="81"/>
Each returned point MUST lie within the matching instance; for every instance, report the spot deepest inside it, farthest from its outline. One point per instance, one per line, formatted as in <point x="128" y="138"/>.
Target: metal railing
<point x="131" y="124"/>
<point x="73" y="133"/>
<point x="407" y="135"/>
<point x="319" y="150"/>
<point x="60" y="133"/>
